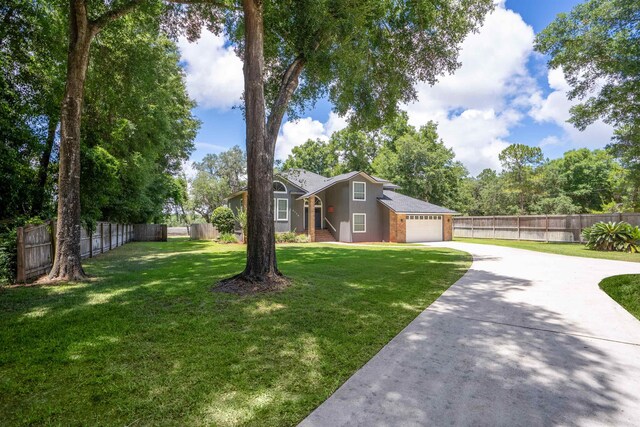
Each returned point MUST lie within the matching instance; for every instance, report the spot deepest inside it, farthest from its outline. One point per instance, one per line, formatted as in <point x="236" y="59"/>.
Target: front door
<point x="318" y="216"/>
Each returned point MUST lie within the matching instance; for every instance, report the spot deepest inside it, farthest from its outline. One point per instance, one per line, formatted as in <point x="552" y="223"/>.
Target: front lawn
<point x="147" y="343"/>
<point x="572" y="249"/>
<point x="625" y="290"/>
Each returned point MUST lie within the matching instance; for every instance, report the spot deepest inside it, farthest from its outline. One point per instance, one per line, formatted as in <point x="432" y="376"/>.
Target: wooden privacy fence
<point x="203" y="232"/>
<point x="546" y="228"/>
<point x="36" y="243"/>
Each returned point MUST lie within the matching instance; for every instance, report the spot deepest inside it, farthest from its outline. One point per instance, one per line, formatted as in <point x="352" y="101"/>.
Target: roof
<point x="303" y="178"/>
<point x="400" y="203"/>
<point x="338" y="178"/>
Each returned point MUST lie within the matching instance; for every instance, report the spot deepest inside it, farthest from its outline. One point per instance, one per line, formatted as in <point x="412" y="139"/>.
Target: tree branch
<point x="218" y="3"/>
<point x="118" y="12"/>
<point x="287" y="88"/>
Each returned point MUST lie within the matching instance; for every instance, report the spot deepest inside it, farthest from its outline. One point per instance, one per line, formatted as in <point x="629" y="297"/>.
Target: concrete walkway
<point x="523" y="339"/>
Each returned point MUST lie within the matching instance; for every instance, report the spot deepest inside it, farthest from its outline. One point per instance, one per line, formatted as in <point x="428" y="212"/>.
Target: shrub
<point x="612" y="236"/>
<point x="288" y="237"/>
<point x="225" y="238"/>
<point x="8" y="256"/>
<point x="223" y="219"/>
<point x="302" y="238"/>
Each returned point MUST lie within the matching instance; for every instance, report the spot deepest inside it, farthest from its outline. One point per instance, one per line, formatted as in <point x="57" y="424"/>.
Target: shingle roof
<point x="329" y="182"/>
<point x="303" y="178"/>
<point x="405" y="204"/>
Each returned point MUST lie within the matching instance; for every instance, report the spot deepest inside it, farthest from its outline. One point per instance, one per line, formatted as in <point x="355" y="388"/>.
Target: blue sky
<point x="502" y="94"/>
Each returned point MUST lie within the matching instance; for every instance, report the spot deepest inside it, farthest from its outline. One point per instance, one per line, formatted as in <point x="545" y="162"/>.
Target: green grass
<point x="573" y="249"/>
<point x="145" y="342"/>
<point x="625" y="290"/>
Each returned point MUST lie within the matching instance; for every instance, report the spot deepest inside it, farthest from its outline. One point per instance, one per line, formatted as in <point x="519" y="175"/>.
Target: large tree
<point x="365" y="56"/>
<point x="519" y="162"/>
<point x="315" y="155"/>
<point x="86" y="19"/>
<point x="419" y="162"/>
<point x="217" y="176"/>
<point x="597" y="45"/>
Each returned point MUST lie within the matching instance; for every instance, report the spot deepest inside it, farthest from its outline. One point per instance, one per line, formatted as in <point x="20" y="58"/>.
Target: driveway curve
<point x="522" y="339"/>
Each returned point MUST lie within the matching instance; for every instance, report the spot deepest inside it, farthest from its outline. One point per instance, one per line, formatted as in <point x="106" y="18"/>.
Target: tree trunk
<point x="67" y="264"/>
<point x="43" y="170"/>
<point x="261" y="248"/>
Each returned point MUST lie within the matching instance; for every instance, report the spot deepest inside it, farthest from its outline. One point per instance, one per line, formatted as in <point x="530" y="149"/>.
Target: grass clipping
<point x="244" y="285"/>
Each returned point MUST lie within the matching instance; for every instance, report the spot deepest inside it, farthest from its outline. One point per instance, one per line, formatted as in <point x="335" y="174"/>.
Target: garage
<point x="424" y="228"/>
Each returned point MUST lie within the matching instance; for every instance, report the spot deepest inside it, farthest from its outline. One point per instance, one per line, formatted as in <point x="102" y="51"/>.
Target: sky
<point x="503" y="93"/>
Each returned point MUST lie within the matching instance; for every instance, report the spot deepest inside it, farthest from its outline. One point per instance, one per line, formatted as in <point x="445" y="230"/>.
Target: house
<point x="352" y="207"/>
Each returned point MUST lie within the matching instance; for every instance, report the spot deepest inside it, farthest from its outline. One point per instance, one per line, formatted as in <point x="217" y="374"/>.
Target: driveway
<point x="523" y="339"/>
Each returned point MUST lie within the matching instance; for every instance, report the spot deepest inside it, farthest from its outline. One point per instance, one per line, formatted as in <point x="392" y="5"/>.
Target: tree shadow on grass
<point x="148" y="342"/>
<point x="476" y="358"/>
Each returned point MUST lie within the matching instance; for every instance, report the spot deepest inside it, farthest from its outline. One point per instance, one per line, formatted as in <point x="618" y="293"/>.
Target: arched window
<point x="279" y="187"/>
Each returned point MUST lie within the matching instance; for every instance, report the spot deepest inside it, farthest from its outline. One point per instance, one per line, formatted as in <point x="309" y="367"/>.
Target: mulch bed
<point x="241" y="285"/>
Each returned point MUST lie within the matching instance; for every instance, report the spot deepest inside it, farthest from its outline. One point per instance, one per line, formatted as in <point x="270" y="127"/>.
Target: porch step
<point x="324" y="236"/>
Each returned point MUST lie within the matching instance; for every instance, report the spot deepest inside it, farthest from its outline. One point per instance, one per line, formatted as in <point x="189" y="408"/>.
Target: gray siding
<point x="235" y="203"/>
<point x="370" y="207"/>
<point x="283" y="226"/>
<point x="297" y="212"/>
<point x="384" y="214"/>
<point x="337" y="196"/>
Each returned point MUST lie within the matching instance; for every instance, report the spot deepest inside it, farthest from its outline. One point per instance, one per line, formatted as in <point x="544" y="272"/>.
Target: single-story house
<point x="352" y="207"/>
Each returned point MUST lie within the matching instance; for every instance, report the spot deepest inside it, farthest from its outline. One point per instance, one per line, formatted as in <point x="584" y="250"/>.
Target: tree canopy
<point x="137" y="123"/>
<point x="597" y="45"/>
<point x="217" y="176"/>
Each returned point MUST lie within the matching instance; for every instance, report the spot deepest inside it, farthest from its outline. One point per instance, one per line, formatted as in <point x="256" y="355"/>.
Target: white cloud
<point x="214" y="71"/>
<point x="297" y="132"/>
<point x="554" y="108"/>
<point x="210" y="148"/>
<point x="550" y="140"/>
<point x="475" y="106"/>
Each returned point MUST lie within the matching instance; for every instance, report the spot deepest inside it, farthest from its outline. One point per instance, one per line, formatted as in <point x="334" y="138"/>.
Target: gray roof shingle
<point x="329" y="182"/>
<point x="303" y="178"/>
<point x="405" y="204"/>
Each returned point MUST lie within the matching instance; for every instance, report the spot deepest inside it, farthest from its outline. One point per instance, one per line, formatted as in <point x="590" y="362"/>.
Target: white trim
<point x="279" y="192"/>
<point x="276" y="211"/>
<point x="353" y="191"/>
<point x="353" y="223"/>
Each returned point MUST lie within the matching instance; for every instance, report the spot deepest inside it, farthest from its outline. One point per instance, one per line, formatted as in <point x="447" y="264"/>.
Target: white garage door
<point x="424" y="228"/>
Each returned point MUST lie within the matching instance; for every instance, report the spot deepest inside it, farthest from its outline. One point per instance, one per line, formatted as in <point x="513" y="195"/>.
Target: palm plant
<point x="613" y="236"/>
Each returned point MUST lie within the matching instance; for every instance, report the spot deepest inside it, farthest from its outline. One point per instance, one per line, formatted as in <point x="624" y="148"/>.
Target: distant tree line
<point x="417" y="160"/>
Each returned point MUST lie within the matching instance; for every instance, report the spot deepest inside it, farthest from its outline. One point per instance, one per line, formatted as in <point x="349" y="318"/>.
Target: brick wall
<point x="397" y="227"/>
<point x="447" y="225"/>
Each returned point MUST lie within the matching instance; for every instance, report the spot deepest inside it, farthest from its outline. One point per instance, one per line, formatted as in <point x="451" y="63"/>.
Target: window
<point x="281" y="210"/>
<point x="279" y="187"/>
<point x="359" y="191"/>
<point x="359" y="223"/>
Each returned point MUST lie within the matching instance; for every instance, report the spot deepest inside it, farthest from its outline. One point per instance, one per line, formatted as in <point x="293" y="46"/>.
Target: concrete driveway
<point x="523" y="339"/>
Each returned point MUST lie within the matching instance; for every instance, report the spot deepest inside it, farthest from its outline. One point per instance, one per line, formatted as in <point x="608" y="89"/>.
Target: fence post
<point x="20" y="274"/>
<point x="518" y="227"/>
<point x="494" y="227"/>
<point x="472" y="233"/>
<point x="580" y="231"/>
<point x="110" y="237"/>
<point x="90" y="243"/>
<point x="547" y="229"/>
